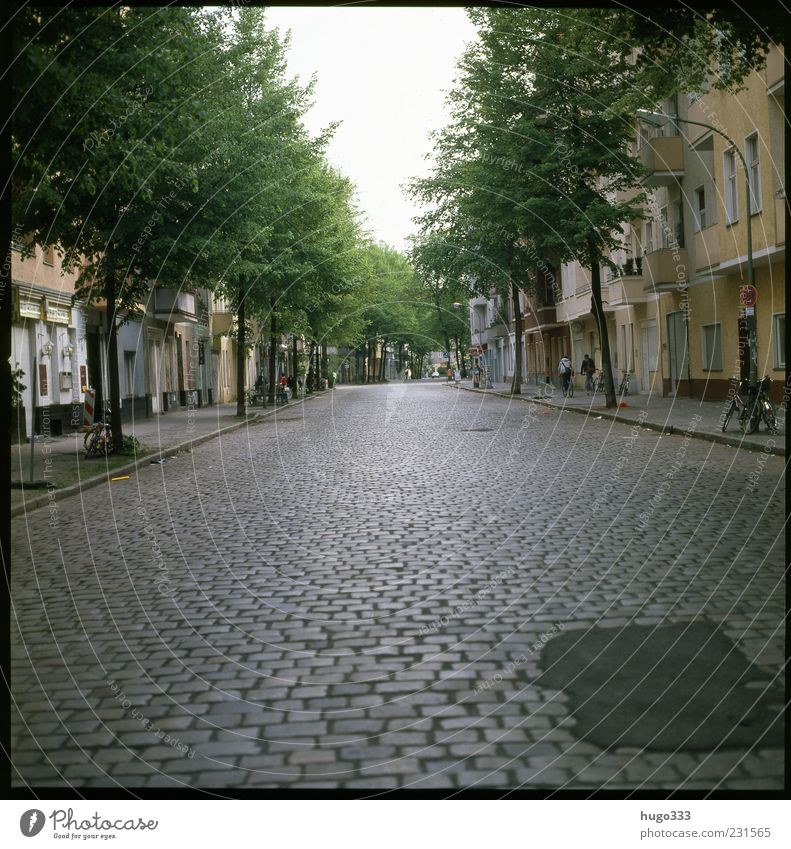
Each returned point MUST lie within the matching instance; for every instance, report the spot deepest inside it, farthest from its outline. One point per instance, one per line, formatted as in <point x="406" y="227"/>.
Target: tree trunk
<point x="294" y="365"/>
<point x="383" y="361"/>
<point x="460" y="358"/>
<point x="240" y="340"/>
<point x="273" y="349"/>
<point x="319" y="384"/>
<point x="112" y="367"/>
<point x="598" y="312"/>
<point x="325" y="362"/>
<point x="311" y="377"/>
<point x="516" y="386"/>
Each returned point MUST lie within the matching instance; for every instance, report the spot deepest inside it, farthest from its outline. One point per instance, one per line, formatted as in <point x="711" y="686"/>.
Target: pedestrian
<point x="565" y="370"/>
<point x="450" y="374"/>
<point x="588" y="368"/>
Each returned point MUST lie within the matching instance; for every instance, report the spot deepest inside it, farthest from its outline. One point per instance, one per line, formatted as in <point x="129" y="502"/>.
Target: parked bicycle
<point x="598" y="382"/>
<point x="759" y="408"/>
<point x="623" y="388"/>
<point x="736" y="406"/>
<point x="98" y="441"/>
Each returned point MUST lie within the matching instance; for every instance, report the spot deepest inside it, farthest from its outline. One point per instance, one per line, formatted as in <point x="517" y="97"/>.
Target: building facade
<point x="672" y="290"/>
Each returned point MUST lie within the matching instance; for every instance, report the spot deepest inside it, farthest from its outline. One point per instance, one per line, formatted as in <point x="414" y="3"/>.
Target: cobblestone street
<point x="357" y="592"/>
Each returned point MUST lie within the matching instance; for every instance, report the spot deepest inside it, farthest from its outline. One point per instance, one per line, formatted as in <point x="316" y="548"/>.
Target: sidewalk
<point x="667" y="415"/>
<point x="60" y="465"/>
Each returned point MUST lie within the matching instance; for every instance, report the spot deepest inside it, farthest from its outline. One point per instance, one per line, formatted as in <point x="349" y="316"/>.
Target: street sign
<point x="748" y="295"/>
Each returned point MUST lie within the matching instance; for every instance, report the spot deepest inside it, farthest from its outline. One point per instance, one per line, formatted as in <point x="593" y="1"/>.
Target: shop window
<point x="711" y="347"/>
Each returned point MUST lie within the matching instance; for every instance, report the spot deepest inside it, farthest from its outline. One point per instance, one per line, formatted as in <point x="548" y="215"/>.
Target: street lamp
<point x="657" y="117"/>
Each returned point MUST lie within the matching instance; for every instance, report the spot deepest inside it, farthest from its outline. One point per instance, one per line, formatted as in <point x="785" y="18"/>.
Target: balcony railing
<point x="707" y="248"/>
<point x="663" y="156"/>
<point x="666" y="266"/>
<point x="780" y="221"/>
<point x="625" y="291"/>
<point x="775" y="71"/>
<point x="542" y="317"/>
<point x="173" y="305"/>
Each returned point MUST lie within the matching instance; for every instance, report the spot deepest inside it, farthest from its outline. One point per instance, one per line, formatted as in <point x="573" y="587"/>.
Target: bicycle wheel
<point x="571" y="388"/>
<point x="91" y="443"/>
<point x="727" y="417"/>
<point x="749" y="421"/>
<point x="768" y="415"/>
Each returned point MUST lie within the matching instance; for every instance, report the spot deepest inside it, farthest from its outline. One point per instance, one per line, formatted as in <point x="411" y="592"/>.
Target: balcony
<point x="626" y="291"/>
<point x="707" y="248"/>
<point x="498" y="328"/>
<point x="174" y="306"/>
<point x="540" y="319"/>
<point x="775" y="72"/>
<point x="780" y="221"/>
<point x="627" y="195"/>
<point x="666" y="267"/>
<point x="663" y="156"/>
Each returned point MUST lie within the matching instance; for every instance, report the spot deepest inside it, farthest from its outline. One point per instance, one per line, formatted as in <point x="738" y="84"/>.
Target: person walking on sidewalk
<point x="565" y="371"/>
<point x="588" y="368"/>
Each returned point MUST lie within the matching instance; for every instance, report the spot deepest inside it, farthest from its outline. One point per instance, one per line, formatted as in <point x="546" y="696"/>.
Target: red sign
<point x="748" y="295"/>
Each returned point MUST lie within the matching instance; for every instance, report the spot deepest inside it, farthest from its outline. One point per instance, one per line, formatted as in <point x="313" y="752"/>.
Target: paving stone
<point x="332" y="627"/>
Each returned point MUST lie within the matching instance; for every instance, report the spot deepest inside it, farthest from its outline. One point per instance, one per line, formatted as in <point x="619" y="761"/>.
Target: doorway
<point x="677" y="349"/>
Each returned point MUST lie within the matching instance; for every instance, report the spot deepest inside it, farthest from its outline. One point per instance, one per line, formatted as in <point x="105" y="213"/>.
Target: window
<point x="731" y="191"/>
<point x="780" y="340"/>
<point x="129" y="372"/>
<point x="700" y="208"/>
<point x="678" y="224"/>
<point x="648" y="241"/>
<point x="711" y="347"/>
<point x="754" y="171"/>
<point x="48" y="255"/>
<point x="665" y="227"/>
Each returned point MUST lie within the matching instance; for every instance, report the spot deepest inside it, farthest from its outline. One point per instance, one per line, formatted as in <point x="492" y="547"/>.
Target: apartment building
<point x="672" y="293"/>
<point x="48" y="342"/>
<point x="162" y="363"/>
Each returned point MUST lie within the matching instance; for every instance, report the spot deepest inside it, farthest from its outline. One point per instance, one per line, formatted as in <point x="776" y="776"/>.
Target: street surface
<point x="357" y="592"/>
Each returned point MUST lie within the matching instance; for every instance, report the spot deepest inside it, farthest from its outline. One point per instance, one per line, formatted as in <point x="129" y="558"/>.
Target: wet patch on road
<point x="676" y="687"/>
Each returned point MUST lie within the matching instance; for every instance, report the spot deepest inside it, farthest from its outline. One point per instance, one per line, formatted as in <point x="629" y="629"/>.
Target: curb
<point x="668" y="429"/>
<point x="89" y="483"/>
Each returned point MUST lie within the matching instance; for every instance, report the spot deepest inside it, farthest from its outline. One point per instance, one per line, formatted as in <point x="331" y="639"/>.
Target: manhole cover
<point x="475" y="429"/>
<point x="678" y="687"/>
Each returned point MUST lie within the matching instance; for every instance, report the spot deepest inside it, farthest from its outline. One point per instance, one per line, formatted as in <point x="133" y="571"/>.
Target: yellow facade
<point x="674" y="314"/>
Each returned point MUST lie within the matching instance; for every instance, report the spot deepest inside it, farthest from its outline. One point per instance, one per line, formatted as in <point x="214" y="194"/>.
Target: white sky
<point x="383" y="72"/>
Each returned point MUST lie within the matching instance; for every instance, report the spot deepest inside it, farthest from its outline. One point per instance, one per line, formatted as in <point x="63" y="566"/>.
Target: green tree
<point x="103" y="100"/>
<point x="680" y="47"/>
<point x="528" y="171"/>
